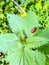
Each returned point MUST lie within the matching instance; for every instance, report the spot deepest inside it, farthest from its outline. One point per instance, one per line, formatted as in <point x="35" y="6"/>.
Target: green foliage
<point x="27" y="26"/>
<point x="21" y="45"/>
<point x="35" y="42"/>
<point x="7" y="6"/>
<point x="13" y="22"/>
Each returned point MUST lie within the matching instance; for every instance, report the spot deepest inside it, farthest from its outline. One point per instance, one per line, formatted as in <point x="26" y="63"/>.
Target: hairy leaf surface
<point x="30" y="21"/>
<point x="15" y="22"/>
<point x="36" y="41"/>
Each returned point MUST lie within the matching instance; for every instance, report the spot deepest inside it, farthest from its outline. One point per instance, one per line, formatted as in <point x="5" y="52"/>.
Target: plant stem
<point x="18" y="7"/>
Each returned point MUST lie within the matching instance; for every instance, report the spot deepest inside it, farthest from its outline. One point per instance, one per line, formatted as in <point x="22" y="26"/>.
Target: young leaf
<point x="7" y="40"/>
<point x="43" y="33"/>
<point x="9" y="37"/>
<point x="21" y="57"/>
<point x="15" y="56"/>
<point x="34" y="57"/>
<point x="40" y="58"/>
<point x="30" y="21"/>
<point x="29" y="57"/>
<point x="15" y="22"/>
<point x="36" y="41"/>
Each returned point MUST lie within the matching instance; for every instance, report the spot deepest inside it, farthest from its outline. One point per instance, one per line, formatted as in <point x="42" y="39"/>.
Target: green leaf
<point x="26" y="2"/>
<point x="34" y="57"/>
<point x="7" y="40"/>
<point x="44" y="49"/>
<point x="15" y="56"/>
<point x="40" y="58"/>
<point x="29" y="57"/>
<point x="7" y="37"/>
<point x="46" y="2"/>
<point x="25" y="57"/>
<point x="43" y="33"/>
<point x="20" y="57"/>
<point x="30" y="21"/>
<point x="47" y="61"/>
<point x="36" y="41"/>
<point x="15" y="22"/>
<point x="47" y="25"/>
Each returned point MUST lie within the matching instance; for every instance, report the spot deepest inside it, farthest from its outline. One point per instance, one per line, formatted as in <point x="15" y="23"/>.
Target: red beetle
<point x="33" y="30"/>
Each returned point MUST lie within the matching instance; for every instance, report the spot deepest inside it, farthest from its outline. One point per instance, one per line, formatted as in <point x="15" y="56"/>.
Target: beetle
<point x="33" y="30"/>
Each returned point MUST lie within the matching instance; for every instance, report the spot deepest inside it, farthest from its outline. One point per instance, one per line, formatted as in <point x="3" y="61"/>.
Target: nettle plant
<point x="23" y="46"/>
